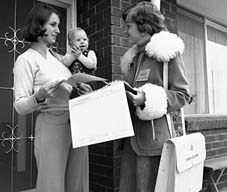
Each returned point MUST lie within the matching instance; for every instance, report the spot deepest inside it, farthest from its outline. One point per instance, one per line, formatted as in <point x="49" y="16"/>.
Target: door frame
<point x="71" y="6"/>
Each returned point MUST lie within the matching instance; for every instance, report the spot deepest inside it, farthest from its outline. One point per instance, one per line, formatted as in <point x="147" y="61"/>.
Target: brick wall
<point x="102" y="21"/>
<point x="94" y="16"/>
<point x="214" y="128"/>
<point x="168" y="9"/>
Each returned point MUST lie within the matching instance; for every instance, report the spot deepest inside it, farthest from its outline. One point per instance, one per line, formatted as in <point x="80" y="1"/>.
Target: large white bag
<point x="100" y="116"/>
<point x="181" y="165"/>
<point x="182" y="158"/>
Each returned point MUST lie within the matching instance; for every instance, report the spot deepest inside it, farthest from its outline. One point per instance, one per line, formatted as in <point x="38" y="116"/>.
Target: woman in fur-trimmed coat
<point x="142" y="66"/>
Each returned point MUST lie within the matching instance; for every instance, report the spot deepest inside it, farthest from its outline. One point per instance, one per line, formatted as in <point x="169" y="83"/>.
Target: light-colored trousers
<point x="138" y="173"/>
<point x="60" y="168"/>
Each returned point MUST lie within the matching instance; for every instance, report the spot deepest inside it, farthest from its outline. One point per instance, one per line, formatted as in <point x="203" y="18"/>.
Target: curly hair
<point x="35" y="21"/>
<point x="146" y="16"/>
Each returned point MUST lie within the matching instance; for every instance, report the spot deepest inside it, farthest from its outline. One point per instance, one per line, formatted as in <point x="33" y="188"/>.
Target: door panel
<point x="21" y="13"/>
<point x="6" y="45"/>
<point x="12" y="15"/>
<point x="18" y="169"/>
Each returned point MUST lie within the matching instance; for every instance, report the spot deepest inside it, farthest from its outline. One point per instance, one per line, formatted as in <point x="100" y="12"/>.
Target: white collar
<point x="163" y="46"/>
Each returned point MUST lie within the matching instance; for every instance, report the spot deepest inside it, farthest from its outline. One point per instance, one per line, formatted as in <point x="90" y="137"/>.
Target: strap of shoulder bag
<point x="170" y="123"/>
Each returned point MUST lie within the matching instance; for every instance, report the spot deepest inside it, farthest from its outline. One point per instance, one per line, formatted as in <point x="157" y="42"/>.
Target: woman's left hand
<point x="84" y="88"/>
<point x="138" y="99"/>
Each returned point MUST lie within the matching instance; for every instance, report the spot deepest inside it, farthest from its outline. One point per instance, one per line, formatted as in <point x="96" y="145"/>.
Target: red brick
<point x="107" y="12"/>
<point x="98" y="35"/>
<point x="115" y="40"/>
<point x="116" y="11"/>
<point x="125" y="5"/>
<point x="107" y="30"/>
<point x="97" y="18"/>
<point x="84" y="24"/>
<point x="107" y="51"/>
<point x="116" y="59"/>
<point x="115" y="3"/>
<point x="117" y="77"/>
<point x="124" y="42"/>
<point x="91" y="30"/>
<point x="165" y="5"/>
<point x="117" y="50"/>
<point x="170" y="1"/>
<point x="93" y="3"/>
<point x="116" y="69"/>
<point x="103" y="42"/>
<point x="100" y="7"/>
<point x="105" y="62"/>
<point x="100" y="53"/>
<point x="115" y="30"/>
<point x="115" y="20"/>
<point x="88" y="14"/>
<point x="169" y="14"/>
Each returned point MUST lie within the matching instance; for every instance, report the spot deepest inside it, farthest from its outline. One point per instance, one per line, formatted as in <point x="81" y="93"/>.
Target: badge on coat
<point x="143" y="75"/>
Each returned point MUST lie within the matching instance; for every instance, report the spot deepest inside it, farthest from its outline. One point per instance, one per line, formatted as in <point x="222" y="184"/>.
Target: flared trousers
<point x="138" y="173"/>
<point x="60" y="168"/>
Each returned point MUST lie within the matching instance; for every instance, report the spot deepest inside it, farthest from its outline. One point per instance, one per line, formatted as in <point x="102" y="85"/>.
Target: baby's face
<point x="80" y="40"/>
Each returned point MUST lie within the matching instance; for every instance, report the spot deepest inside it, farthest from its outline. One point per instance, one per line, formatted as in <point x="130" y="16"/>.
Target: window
<point x="205" y="58"/>
<point x="217" y="70"/>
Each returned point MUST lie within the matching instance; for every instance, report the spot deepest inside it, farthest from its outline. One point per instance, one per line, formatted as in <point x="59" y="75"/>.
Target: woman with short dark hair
<point x="38" y="87"/>
<point x="142" y="66"/>
<point x="34" y="25"/>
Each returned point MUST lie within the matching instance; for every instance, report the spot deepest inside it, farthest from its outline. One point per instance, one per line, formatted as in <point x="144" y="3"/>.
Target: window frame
<point x="207" y="22"/>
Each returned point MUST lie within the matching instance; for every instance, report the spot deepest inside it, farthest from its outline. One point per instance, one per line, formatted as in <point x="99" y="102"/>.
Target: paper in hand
<point x="83" y="78"/>
<point x="54" y="84"/>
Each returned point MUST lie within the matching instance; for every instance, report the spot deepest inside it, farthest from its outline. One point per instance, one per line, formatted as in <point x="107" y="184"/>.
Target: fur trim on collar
<point x="163" y="46"/>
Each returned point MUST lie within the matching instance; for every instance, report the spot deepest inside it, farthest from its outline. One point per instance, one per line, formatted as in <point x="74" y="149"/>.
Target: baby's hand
<point x="76" y="51"/>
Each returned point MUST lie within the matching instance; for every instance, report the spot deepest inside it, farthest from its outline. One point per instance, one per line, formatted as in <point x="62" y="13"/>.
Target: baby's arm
<point x="90" y="61"/>
<point x="68" y="58"/>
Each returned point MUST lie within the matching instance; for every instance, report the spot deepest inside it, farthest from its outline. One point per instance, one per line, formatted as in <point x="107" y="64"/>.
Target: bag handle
<point x="169" y="122"/>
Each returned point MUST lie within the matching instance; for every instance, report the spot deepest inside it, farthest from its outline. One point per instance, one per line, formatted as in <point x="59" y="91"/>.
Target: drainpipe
<point x="157" y="3"/>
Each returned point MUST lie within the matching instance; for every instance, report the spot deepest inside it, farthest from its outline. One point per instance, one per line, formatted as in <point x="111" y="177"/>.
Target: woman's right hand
<point x="47" y="91"/>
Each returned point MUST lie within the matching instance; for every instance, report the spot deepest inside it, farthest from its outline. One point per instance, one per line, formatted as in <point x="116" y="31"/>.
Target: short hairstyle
<point x="72" y="32"/>
<point x="35" y="21"/>
<point x="146" y="16"/>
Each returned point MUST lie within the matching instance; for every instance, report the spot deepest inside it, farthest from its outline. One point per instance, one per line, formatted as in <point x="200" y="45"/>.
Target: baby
<point x="81" y="59"/>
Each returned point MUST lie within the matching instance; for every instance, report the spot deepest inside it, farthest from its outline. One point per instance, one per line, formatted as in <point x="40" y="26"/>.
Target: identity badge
<point x="143" y="75"/>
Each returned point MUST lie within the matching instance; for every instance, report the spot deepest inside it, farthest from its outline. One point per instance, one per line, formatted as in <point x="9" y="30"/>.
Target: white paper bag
<point x="100" y="116"/>
<point x="181" y="165"/>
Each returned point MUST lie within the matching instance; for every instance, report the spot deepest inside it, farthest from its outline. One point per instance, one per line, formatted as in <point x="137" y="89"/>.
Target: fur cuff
<point x="155" y="102"/>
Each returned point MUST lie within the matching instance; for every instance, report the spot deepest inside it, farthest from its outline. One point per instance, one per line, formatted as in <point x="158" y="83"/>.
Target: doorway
<point x="17" y="163"/>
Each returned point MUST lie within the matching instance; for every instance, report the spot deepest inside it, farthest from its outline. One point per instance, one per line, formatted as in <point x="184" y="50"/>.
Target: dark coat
<point x="146" y="72"/>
